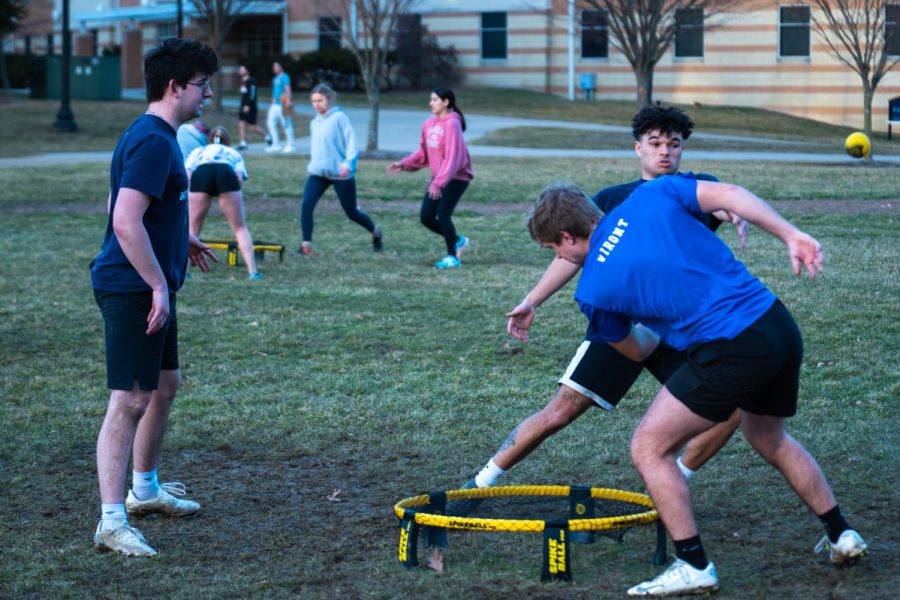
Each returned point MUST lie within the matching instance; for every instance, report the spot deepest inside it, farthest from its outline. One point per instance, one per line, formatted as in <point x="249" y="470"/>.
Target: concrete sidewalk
<point x="398" y="132"/>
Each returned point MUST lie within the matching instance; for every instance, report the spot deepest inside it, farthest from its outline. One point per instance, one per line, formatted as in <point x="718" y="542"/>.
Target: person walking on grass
<point x="442" y="149"/>
<point x="741" y="348"/>
<point x="248" y="113"/>
<point x="142" y="264"/>
<point x="280" y="111"/>
<point x="217" y="170"/>
<point x="333" y="157"/>
<point x="599" y="375"/>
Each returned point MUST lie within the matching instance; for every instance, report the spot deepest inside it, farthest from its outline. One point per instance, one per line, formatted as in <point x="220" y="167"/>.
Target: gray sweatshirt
<point x="332" y="144"/>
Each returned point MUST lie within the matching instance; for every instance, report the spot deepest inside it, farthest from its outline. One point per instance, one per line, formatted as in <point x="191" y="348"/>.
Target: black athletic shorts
<point x="603" y="374"/>
<point x="758" y="371"/>
<point x="248" y="117"/>
<point x="215" y="179"/>
<point x="131" y="354"/>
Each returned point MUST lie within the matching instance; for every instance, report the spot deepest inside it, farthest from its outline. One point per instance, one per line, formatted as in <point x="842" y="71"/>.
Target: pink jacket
<point x="443" y="149"/>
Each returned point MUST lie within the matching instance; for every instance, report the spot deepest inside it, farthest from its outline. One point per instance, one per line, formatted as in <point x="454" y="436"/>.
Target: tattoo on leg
<point x="572" y="397"/>
<point x="510" y="440"/>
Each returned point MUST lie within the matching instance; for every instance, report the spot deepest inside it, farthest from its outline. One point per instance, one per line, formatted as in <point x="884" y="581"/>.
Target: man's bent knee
<point x="169" y="383"/>
<point x="566" y="406"/>
<point x="131" y="403"/>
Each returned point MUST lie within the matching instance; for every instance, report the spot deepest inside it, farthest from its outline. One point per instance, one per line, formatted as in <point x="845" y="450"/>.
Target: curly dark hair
<point x="666" y="120"/>
<point x="177" y="59"/>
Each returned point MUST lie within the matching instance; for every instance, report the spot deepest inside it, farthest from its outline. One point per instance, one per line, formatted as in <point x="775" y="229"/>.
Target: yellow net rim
<point x="528" y="525"/>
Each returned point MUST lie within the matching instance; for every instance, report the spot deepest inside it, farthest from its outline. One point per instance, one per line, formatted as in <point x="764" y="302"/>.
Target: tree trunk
<point x="644" y="76"/>
<point x="373" y="94"/>
<point x="868" y="93"/>
<point x="4" y="75"/>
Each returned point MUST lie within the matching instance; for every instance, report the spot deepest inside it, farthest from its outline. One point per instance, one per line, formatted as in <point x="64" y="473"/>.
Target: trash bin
<point x="588" y="83"/>
<point x="90" y="78"/>
<point x="893" y="113"/>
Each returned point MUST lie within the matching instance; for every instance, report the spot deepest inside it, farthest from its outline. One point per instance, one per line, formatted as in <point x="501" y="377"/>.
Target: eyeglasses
<point x="202" y="84"/>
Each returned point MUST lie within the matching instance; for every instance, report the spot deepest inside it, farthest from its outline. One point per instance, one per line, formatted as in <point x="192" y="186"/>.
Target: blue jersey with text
<point x="652" y="261"/>
<point x="609" y="198"/>
<point x="147" y="159"/>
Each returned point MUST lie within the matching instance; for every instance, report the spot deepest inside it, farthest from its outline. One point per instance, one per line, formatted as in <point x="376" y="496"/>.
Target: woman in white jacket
<point x="332" y="161"/>
<point x="218" y="170"/>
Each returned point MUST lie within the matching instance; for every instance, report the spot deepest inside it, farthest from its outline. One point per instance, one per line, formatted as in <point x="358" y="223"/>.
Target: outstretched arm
<point x="803" y="249"/>
<point x="558" y="274"/>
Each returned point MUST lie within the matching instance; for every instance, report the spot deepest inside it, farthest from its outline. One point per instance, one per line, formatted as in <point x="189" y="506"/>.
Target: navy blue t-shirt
<point x="609" y="198"/>
<point x="147" y="159"/>
<point x="652" y="261"/>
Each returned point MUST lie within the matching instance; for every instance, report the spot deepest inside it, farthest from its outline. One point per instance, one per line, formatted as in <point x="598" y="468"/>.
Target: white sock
<point x="688" y="473"/>
<point x="489" y="475"/>
<point x="112" y="516"/>
<point x="145" y="485"/>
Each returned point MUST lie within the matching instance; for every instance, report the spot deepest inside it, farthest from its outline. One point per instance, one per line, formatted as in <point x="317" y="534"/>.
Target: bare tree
<point x="368" y="27"/>
<point x="644" y="29"/>
<point x="217" y="19"/>
<point x="856" y="34"/>
<point x="12" y="13"/>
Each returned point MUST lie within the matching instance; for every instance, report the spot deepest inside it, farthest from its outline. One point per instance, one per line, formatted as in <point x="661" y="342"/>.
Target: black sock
<point x="835" y="523"/>
<point x="691" y="552"/>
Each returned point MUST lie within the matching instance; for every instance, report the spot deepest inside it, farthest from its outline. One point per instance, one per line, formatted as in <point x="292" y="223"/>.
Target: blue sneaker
<point x="254" y="276"/>
<point x="462" y="242"/>
<point x="447" y="262"/>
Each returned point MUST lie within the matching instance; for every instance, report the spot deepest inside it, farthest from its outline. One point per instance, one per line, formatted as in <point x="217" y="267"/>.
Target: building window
<point x="262" y="39"/>
<point x="688" y="33"/>
<point x="892" y="29"/>
<point x="594" y="34"/>
<point x="329" y="32"/>
<point x="167" y="29"/>
<point x="793" y="31"/>
<point x="493" y="35"/>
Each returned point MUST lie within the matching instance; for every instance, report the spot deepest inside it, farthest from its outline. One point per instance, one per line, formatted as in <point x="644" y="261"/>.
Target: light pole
<point x="65" y="119"/>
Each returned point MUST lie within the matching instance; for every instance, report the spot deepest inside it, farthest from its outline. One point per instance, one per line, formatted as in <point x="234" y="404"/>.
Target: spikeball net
<point x="564" y="514"/>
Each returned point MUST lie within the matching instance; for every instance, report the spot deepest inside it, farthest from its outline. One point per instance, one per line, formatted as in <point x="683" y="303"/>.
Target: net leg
<point x="556" y="555"/>
<point x="581" y="506"/>
<point x="659" y="555"/>
<point x="409" y="540"/>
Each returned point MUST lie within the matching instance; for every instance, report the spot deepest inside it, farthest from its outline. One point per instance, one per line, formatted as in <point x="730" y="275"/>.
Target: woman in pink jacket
<point x="443" y="150"/>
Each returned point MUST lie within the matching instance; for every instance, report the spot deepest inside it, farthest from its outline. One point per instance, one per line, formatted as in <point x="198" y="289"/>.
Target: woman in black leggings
<point x="332" y="161"/>
<point x="442" y="149"/>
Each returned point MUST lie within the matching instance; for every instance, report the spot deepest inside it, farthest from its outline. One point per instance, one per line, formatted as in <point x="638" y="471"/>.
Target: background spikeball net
<point x="564" y="514"/>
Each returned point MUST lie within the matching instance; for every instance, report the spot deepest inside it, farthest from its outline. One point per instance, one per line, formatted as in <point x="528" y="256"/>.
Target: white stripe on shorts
<point x="566" y="379"/>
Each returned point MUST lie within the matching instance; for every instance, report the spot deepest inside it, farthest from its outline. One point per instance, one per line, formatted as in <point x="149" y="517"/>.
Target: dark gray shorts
<point x="131" y="354"/>
<point x="758" y="371"/>
<point x="603" y="374"/>
<point x="215" y="179"/>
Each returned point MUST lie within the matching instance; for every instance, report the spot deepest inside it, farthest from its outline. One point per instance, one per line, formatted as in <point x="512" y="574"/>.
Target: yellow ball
<point x="858" y="144"/>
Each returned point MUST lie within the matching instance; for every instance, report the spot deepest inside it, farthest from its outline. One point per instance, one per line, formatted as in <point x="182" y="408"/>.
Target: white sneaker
<point x="123" y="540"/>
<point x="274" y="148"/>
<point x="165" y="502"/>
<point x="849" y="547"/>
<point x="288" y="149"/>
<point x="679" y="579"/>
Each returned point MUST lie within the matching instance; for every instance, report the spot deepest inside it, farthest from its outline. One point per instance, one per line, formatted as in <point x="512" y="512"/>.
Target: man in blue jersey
<point x="598" y="374"/>
<point x="642" y="267"/>
<point x="142" y="264"/>
<point x="280" y="111"/>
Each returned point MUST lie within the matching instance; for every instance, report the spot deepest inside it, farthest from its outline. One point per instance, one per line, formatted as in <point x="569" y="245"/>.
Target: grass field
<point x="381" y="377"/>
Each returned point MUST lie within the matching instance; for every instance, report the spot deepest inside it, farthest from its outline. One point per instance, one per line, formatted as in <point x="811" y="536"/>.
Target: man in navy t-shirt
<point x="651" y="270"/>
<point x="599" y="375"/>
<point x="142" y="264"/>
